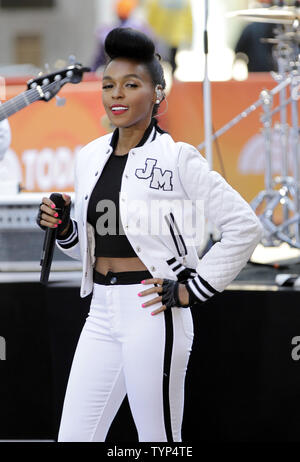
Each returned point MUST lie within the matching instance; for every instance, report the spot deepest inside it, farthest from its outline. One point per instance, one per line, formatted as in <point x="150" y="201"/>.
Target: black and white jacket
<point x="165" y="176"/>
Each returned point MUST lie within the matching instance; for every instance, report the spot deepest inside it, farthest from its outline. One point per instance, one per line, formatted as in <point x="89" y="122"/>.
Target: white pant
<point x="123" y="349"/>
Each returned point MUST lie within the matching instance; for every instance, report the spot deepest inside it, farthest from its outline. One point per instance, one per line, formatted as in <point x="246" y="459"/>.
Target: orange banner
<point x="45" y="137"/>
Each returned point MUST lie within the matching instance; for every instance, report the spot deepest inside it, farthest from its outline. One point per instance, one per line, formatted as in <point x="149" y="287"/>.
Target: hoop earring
<point x="166" y="108"/>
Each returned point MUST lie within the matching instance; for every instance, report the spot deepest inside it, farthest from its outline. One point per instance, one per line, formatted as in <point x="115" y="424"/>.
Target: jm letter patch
<point x="159" y="179"/>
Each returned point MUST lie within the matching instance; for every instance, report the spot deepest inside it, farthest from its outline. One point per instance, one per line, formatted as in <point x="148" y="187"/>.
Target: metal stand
<point x="287" y="196"/>
<point x="281" y="191"/>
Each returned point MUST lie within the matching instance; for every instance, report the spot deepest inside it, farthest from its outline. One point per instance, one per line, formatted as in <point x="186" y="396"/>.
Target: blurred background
<point x="35" y="32"/>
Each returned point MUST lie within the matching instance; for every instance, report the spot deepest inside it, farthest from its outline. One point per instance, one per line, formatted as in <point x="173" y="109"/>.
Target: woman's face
<point x="128" y="93"/>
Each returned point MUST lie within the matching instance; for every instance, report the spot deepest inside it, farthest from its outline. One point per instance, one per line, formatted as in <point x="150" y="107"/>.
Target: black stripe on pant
<point x="166" y="371"/>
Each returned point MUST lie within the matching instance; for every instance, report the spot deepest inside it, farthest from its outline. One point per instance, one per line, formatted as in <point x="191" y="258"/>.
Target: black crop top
<point x="103" y="209"/>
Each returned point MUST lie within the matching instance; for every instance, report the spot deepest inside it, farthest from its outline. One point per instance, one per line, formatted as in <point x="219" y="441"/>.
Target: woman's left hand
<point x="182" y="294"/>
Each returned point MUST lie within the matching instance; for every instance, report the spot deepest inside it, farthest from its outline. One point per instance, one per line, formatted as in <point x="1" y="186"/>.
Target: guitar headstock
<point x="48" y="85"/>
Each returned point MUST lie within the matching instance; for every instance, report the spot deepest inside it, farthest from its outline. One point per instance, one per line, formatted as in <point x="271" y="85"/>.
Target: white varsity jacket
<point x="164" y="173"/>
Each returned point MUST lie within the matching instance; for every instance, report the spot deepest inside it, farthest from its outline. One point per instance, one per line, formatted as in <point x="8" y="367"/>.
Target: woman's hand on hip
<point x="157" y="289"/>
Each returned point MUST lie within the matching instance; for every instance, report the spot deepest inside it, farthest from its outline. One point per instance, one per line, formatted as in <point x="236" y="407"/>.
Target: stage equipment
<point x="282" y="191"/>
<point x="273" y="14"/>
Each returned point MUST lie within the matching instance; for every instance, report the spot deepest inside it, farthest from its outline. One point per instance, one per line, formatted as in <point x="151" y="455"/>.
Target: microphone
<point x="49" y="240"/>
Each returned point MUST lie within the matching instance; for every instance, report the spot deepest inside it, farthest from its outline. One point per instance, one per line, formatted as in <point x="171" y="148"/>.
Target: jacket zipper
<point x="176" y="235"/>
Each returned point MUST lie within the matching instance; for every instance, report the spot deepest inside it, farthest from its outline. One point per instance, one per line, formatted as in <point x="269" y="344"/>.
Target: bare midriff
<point x="117" y="265"/>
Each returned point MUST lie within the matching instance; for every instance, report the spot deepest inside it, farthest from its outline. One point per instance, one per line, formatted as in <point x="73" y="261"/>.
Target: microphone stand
<point x="207" y="95"/>
<point x="207" y="119"/>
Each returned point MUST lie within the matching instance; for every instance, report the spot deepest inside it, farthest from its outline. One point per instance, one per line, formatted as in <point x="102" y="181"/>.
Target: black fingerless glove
<point x="170" y="294"/>
<point x="38" y="218"/>
<point x="63" y="214"/>
<point x="199" y="290"/>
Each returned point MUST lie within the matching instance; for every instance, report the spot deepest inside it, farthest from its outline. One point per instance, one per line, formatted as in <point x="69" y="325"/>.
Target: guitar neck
<point x="17" y="103"/>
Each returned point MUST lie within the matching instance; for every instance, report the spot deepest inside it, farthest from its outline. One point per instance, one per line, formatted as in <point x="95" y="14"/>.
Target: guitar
<point x="43" y="88"/>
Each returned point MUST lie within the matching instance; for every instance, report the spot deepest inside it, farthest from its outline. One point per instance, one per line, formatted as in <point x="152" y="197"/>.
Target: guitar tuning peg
<point x="60" y="101"/>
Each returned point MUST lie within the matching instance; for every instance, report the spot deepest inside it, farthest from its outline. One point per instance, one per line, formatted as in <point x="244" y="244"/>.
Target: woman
<point x="136" y="269"/>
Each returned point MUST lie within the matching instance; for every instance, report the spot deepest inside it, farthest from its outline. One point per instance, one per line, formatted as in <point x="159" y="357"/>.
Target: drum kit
<point x="281" y="196"/>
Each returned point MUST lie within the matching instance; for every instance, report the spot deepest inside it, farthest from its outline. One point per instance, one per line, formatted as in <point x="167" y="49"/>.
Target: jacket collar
<point x="148" y="136"/>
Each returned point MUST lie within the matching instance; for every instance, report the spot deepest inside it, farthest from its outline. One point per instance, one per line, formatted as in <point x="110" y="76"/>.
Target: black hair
<point x="125" y="42"/>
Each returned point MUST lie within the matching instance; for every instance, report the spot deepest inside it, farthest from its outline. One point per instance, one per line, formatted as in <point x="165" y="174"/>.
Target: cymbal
<point x="273" y="41"/>
<point x="293" y="37"/>
<point x="274" y="14"/>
